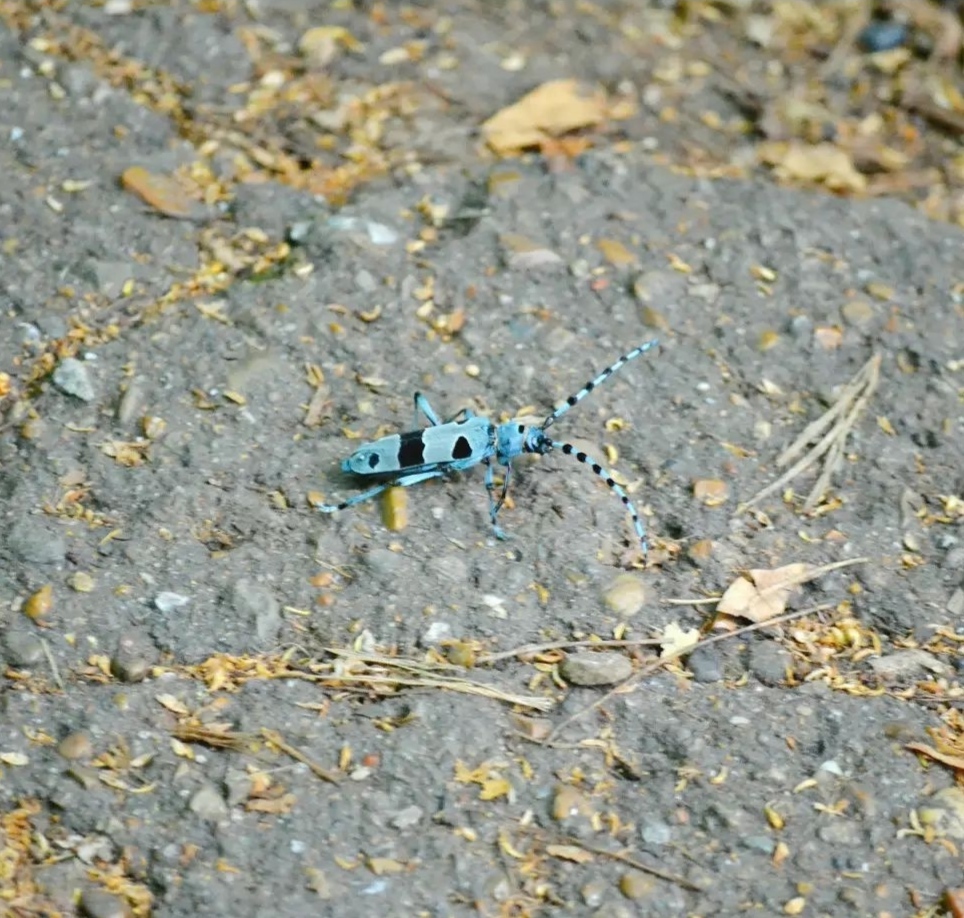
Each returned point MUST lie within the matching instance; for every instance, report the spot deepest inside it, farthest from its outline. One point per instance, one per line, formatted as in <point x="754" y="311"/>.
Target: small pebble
<point x="906" y="663"/>
<point x="882" y="36"/>
<point x="22" y="648"/>
<point x="435" y="633"/>
<point x="636" y="885"/>
<point x="75" y="746"/>
<point x="655" y="832"/>
<point x="588" y="668"/>
<point x="408" y="818"/>
<point x="857" y="313"/>
<point x="625" y="596"/>
<point x="945" y="812"/>
<point x="769" y="662"/>
<point x="706" y="664"/>
<point x="700" y="552"/>
<point x="170" y="602"/>
<point x="29" y="540"/>
<point x="73" y="378"/>
<point x="80" y="582"/>
<point x="593" y="893"/>
<point x="95" y="903"/>
<point x="133" y="657"/>
<point x="255" y="604"/>
<point x="570" y="803"/>
<point x="209" y="804"/>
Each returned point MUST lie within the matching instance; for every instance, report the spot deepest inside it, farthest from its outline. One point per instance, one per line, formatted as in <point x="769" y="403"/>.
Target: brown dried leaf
<point x="764" y="595"/>
<point x="550" y="110"/>
<point x="276" y="806"/>
<point x="570" y="853"/>
<point x="162" y="192"/>
<point x="822" y="162"/>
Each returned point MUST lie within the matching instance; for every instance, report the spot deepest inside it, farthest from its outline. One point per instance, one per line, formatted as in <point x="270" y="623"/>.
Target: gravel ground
<point x="218" y="701"/>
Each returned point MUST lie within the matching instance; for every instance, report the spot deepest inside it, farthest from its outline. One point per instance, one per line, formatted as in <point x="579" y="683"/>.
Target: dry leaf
<point x="675" y="641"/>
<point x="615" y="252"/>
<point x="764" y="595"/>
<point x="951" y="761"/>
<point x="277" y="806"/>
<point x="570" y="853"/>
<point x="172" y="703"/>
<point x="822" y="162"/>
<point x="162" y="192"/>
<point x="550" y="110"/>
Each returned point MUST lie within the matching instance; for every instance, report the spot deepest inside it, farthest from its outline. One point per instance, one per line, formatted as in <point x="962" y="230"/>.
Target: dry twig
<point x="832" y="428"/>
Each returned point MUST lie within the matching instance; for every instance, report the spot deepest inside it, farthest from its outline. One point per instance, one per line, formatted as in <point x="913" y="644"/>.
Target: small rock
<point x="383" y="563"/>
<point x="856" y="898"/>
<point x="22" y="648"/>
<point x="209" y="804"/>
<point x="132" y="401"/>
<point x="883" y="35"/>
<point x="238" y="785"/>
<point x="769" y="662"/>
<point x="843" y="832"/>
<point x="711" y="491"/>
<point x="706" y="664"/>
<point x="75" y="746"/>
<point x="254" y="602"/>
<point x="603" y="668"/>
<point x="299" y="232"/>
<point x="170" y="602"/>
<point x="570" y="803"/>
<point x="435" y="633"/>
<point x="954" y="559"/>
<point x="95" y="903"/>
<point x="801" y="327"/>
<point x="449" y="568"/>
<point x="72" y="378"/>
<point x="700" y="552"/>
<point x="945" y="812"/>
<point x="408" y="818"/>
<point x="906" y="663"/>
<point x="365" y="281"/>
<point x="637" y="885"/>
<point x="133" y="658"/>
<point x="857" y="313"/>
<point x="655" y="832"/>
<point x="764" y="844"/>
<point x="625" y="596"/>
<point x="593" y="893"/>
<point x="80" y="582"/>
<point x="31" y="541"/>
<point x="955" y="605"/>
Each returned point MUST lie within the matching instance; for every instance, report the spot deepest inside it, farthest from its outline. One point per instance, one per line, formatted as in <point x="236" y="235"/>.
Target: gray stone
<point x="706" y="664"/>
<point x="768" y="662"/>
<point x="209" y="804"/>
<point x="95" y="903"/>
<point x="31" y="541"/>
<point x="602" y="668"/>
<point x="168" y="602"/>
<point x="655" y="832"/>
<point x="133" y="657"/>
<point x="843" y="832"/>
<point x="21" y="647"/>
<point x="73" y="378"/>
<point x="408" y="818"/>
<point x="254" y="602"/>
<point x="906" y="663"/>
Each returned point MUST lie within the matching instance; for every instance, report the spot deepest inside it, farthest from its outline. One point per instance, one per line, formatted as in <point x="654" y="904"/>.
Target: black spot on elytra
<point x="411" y="450"/>
<point x="571" y="400"/>
<point x="373" y="460"/>
<point x="462" y="449"/>
<point x="522" y="428"/>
